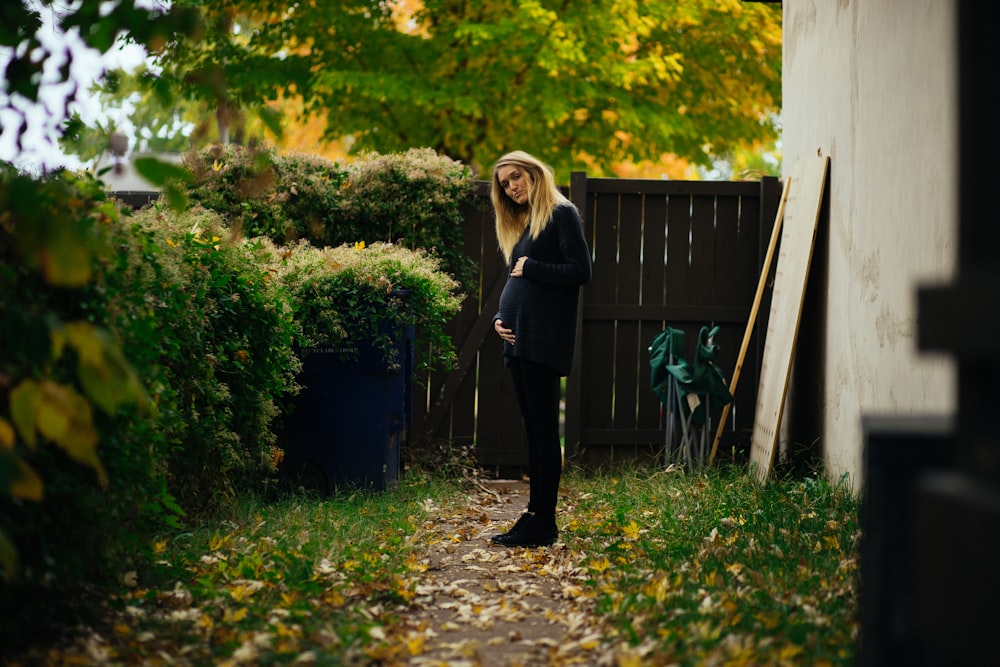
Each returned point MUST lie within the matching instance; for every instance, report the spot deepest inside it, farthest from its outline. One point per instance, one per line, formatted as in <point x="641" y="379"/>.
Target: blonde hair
<point x="543" y="198"/>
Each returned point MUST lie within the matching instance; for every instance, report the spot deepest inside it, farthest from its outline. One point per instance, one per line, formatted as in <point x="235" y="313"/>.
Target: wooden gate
<point x="666" y="253"/>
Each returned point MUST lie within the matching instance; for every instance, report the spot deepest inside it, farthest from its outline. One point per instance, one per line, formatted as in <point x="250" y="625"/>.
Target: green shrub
<point x="214" y="332"/>
<point x="67" y="397"/>
<point x="355" y="293"/>
<point x="413" y="199"/>
<point x="259" y="193"/>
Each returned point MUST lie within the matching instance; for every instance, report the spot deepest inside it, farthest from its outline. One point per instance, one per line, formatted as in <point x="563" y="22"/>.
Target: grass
<point x="683" y="569"/>
<point x="716" y="568"/>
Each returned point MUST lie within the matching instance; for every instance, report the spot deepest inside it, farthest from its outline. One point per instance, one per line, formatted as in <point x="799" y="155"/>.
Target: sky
<point x="40" y="148"/>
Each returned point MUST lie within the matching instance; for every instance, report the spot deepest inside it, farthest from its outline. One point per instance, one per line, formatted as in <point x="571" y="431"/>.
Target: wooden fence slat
<point x="701" y="282"/>
<point x="654" y="230"/>
<point x="599" y="339"/>
<point x="626" y="371"/>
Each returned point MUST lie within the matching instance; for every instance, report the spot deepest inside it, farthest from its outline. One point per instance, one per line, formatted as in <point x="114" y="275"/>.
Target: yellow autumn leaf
<point x="241" y="592"/>
<point x="628" y="660"/>
<point x="631" y="531"/>
<point x="24" y="399"/>
<point x="415" y="644"/>
<point x="65" y="417"/>
<point x="206" y="623"/>
<point x="26" y="484"/>
<point x="234" y="616"/>
<point x="600" y="565"/>
<point x="6" y="435"/>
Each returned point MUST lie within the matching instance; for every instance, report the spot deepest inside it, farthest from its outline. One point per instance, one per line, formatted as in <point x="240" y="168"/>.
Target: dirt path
<point x="485" y="605"/>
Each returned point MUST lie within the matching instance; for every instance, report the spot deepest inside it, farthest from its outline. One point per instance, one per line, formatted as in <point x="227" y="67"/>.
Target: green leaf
<point x="24" y="400"/>
<point x="160" y="173"/>
<point x="272" y="120"/>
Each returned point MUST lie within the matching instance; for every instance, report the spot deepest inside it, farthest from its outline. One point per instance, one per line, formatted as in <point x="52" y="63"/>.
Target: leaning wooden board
<point x="798" y="236"/>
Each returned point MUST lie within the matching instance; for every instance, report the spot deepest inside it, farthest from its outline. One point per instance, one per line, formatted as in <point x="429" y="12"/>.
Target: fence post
<point x="574" y="383"/>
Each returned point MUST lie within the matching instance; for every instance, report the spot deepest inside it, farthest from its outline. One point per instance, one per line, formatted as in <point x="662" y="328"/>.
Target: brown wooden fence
<point x="666" y="253"/>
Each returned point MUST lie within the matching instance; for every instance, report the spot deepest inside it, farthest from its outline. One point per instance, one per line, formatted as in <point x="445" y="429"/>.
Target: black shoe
<point x="533" y="531"/>
<point x="518" y="525"/>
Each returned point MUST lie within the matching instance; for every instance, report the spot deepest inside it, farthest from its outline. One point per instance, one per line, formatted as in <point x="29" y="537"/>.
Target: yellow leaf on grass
<point x="234" y="616"/>
<point x="600" y="565"/>
<point x="415" y="644"/>
<point x="631" y="530"/>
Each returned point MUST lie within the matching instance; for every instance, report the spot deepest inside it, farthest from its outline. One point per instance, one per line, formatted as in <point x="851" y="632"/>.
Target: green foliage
<point x="652" y="569"/>
<point x="580" y="84"/>
<point x="99" y="26"/>
<point x="161" y="125"/>
<point x="413" y="198"/>
<point x="260" y="193"/>
<point x="73" y="493"/>
<point x="348" y="295"/>
<point x="714" y="568"/>
<point x="213" y="332"/>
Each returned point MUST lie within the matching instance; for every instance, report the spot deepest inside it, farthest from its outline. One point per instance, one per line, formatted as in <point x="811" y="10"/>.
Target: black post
<point x="953" y="577"/>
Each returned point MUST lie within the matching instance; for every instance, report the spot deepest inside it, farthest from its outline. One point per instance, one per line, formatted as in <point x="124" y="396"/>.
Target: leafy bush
<point x="213" y="332"/>
<point x="67" y="397"/>
<point x="412" y="199"/>
<point x="354" y="293"/>
<point x="156" y="349"/>
<point x="259" y="193"/>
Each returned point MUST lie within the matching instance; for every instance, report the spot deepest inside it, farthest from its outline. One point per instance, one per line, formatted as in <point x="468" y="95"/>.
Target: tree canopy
<point x="580" y="84"/>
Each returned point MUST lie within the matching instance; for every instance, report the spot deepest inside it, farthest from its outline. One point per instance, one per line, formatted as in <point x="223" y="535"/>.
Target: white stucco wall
<point x="871" y="84"/>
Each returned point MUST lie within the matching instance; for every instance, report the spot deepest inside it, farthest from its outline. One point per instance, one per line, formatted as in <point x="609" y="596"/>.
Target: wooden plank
<point x="654" y="230"/>
<point x="798" y="236"/>
<point x="701" y="281"/>
<point x="677" y="260"/>
<point x="652" y="438"/>
<point x="626" y="372"/>
<point x="598" y="361"/>
<point x="726" y="276"/>
<point x="574" y="384"/>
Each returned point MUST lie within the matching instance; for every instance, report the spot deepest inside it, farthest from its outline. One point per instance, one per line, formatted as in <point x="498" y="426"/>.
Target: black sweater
<point x="541" y="305"/>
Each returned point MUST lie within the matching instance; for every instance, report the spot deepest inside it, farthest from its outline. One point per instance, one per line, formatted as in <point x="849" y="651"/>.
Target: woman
<point x="540" y="233"/>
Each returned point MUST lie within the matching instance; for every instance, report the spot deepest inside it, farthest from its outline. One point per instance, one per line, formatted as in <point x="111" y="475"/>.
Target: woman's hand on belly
<point x="504" y="332"/>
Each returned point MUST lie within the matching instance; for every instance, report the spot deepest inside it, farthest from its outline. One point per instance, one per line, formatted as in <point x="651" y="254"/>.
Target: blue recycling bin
<point x="347" y="422"/>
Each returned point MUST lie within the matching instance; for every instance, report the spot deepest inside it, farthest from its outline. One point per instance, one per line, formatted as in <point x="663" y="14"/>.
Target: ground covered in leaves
<point x="651" y="568"/>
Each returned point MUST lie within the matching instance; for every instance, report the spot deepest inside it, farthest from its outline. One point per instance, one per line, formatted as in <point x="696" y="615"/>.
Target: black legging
<point x="537" y="389"/>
